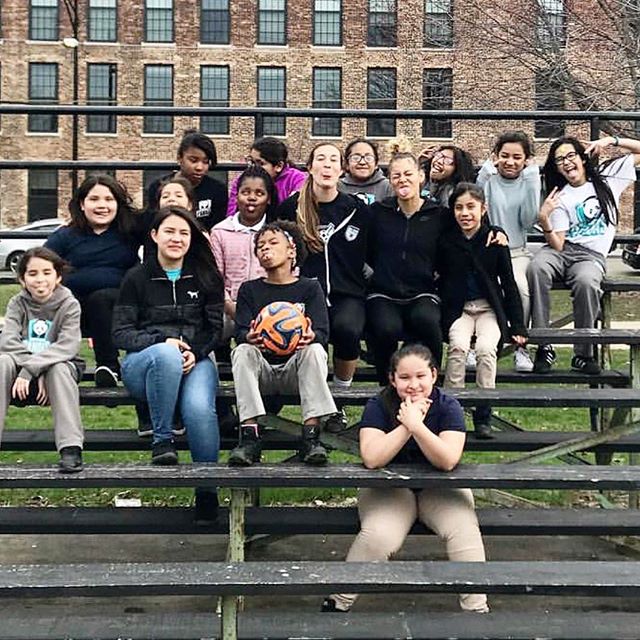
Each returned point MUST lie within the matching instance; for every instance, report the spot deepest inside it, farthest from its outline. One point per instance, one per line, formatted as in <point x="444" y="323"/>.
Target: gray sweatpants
<point x="580" y="269"/>
<point x="304" y="372"/>
<point x="62" y="387"/>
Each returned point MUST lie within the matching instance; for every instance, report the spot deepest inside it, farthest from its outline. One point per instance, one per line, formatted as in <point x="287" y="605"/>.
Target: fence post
<point x="258" y="125"/>
<point x="594" y="132"/>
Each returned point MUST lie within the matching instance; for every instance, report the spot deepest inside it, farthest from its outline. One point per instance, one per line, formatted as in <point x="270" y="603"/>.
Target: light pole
<point x="73" y="43"/>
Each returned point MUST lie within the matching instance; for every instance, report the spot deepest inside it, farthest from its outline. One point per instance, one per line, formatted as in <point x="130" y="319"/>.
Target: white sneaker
<point x="522" y="360"/>
<point x="471" y="360"/>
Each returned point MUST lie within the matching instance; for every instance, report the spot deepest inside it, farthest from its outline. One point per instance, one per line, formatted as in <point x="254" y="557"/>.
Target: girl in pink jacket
<point x="232" y="239"/>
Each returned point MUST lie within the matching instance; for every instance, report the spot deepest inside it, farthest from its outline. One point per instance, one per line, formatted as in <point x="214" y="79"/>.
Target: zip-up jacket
<point x="457" y="258"/>
<point x="152" y="308"/>
<point x="401" y="250"/>
<point x="344" y="229"/>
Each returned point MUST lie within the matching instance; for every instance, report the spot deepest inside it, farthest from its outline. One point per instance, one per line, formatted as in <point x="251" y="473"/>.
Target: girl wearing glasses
<point x="273" y="156"/>
<point x="362" y="175"/>
<point x="578" y="219"/>
<point x="445" y="167"/>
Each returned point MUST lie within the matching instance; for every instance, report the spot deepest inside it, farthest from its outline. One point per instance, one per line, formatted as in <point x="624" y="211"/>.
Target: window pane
<point x="43" y="89"/>
<point x="382" y="31"/>
<point x="327" y="23"/>
<point x="214" y="22"/>
<point x="214" y="92"/>
<point x="549" y="97"/>
<point x="43" y="20"/>
<point x="43" y="194"/>
<point x="381" y="94"/>
<point x="327" y="94"/>
<point x="551" y="23"/>
<point x="158" y="91"/>
<point x="159" y="21"/>
<point x="102" y="20"/>
<point x="101" y="89"/>
<point x="272" y="93"/>
<point x="272" y="22"/>
<point x="438" y="23"/>
<point x="437" y="93"/>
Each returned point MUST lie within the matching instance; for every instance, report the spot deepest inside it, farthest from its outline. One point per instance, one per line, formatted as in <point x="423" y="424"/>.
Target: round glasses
<point x="571" y="156"/>
<point x="362" y="157"/>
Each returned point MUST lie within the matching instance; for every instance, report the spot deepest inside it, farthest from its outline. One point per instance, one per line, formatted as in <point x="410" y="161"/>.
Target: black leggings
<point x="389" y="322"/>
<point x="97" y="312"/>
<point x="346" y="322"/>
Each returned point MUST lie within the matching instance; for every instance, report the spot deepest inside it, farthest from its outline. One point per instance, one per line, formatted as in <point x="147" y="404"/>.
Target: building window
<point x="272" y="22"/>
<point x="382" y="27"/>
<point x="215" y="22"/>
<point x="103" y="21"/>
<point x="43" y="194"/>
<point x="437" y="93"/>
<point x="438" y="23"/>
<point x="43" y="20"/>
<point x="102" y="90"/>
<point x="327" y="94"/>
<point x="43" y="89"/>
<point x="549" y="97"/>
<point x="214" y="92"/>
<point x="158" y="21"/>
<point x="327" y="22"/>
<point x="381" y="94"/>
<point x="551" y="27"/>
<point x="272" y="92"/>
<point x="158" y="92"/>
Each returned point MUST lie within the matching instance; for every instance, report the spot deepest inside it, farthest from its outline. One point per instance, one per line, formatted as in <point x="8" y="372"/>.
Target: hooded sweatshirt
<point x="375" y="188"/>
<point x="38" y="335"/>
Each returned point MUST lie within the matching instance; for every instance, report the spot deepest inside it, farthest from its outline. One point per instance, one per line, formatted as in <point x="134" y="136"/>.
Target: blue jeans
<point x="155" y="375"/>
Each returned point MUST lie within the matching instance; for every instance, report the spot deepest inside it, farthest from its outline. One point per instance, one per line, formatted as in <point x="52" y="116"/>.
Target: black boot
<point x="312" y="451"/>
<point x="249" y="448"/>
<point x="206" y="507"/>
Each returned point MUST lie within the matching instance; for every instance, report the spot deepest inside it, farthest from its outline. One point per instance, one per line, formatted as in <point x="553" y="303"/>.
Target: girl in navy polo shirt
<point x="413" y="422"/>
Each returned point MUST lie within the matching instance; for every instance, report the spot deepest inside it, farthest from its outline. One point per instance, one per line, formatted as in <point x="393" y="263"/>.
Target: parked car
<point x="12" y="249"/>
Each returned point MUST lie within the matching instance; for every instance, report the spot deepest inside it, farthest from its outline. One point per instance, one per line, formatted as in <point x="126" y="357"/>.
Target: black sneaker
<point x="585" y="364"/>
<point x="249" y="448"/>
<point x="105" y="377"/>
<point x="329" y="606"/>
<point x="312" y="451"/>
<point x="164" y="453"/>
<point x="70" y="460"/>
<point x="206" y="509"/>
<point x="482" y="431"/>
<point x="545" y="359"/>
<point x="336" y="423"/>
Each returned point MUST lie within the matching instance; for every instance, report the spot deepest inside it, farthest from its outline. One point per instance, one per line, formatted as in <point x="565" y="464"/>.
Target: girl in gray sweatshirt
<point x="39" y="348"/>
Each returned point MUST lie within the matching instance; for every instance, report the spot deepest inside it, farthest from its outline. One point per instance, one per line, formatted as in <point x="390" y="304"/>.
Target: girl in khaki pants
<point x="412" y="422"/>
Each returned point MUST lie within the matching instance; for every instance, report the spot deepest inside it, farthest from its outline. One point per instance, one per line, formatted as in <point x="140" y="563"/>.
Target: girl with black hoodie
<point x="479" y="296"/>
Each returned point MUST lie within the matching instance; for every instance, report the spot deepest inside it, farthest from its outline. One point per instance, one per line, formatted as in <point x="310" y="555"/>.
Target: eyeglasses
<point x="362" y="157"/>
<point x="446" y="160"/>
<point x="571" y="156"/>
<point x="251" y="161"/>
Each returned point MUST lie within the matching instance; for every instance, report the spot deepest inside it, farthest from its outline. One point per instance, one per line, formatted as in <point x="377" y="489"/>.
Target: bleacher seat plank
<point x="273" y="440"/>
<point x="284" y="625"/>
<point x="474" y="476"/>
<point x="300" y="521"/>
<point x="576" y="578"/>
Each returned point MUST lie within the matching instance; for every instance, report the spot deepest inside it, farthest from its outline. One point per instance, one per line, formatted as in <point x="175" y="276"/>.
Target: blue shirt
<point x="445" y="414"/>
<point x="173" y="274"/>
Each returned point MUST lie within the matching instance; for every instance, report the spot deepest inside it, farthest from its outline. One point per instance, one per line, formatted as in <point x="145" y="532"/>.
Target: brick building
<point x="405" y="54"/>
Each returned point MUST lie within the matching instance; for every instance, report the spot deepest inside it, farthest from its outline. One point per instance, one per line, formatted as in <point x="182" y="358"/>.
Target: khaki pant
<point x="305" y="372"/>
<point x="479" y="319"/>
<point x="520" y="259"/>
<point x="387" y="515"/>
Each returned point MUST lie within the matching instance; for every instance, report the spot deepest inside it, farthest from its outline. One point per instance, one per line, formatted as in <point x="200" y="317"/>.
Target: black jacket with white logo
<point x="344" y="228"/>
<point x="151" y="309"/>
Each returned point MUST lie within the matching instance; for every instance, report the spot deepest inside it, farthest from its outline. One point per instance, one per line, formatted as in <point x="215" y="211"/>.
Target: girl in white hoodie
<point x="39" y="348"/>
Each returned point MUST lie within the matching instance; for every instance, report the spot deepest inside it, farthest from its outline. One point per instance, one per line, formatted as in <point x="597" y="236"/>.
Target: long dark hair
<point x="464" y="169"/>
<point x="199" y="256"/>
<point x="125" y="219"/>
<point x="256" y="171"/>
<point x="195" y="138"/>
<point x="389" y="396"/>
<point x="553" y="178"/>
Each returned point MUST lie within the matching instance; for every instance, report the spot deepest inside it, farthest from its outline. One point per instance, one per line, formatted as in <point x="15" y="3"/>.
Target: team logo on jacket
<point x="351" y="233"/>
<point x="325" y="232"/>
<point x="204" y="208"/>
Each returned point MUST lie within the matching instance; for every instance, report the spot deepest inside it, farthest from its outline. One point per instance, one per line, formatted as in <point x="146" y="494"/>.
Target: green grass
<point x="564" y="419"/>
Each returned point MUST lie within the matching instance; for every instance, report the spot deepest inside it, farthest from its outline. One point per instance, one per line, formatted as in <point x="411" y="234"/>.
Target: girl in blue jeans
<point x="168" y="319"/>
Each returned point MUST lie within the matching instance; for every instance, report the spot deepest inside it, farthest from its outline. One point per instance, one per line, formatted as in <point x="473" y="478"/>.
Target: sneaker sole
<point x="145" y="433"/>
<point x="66" y="469"/>
<point x="316" y="459"/>
<point x="179" y="432"/>
<point x="165" y="460"/>
<point x="105" y="380"/>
